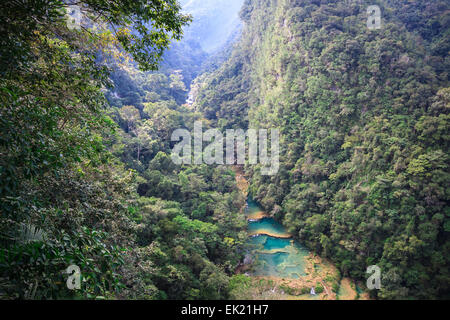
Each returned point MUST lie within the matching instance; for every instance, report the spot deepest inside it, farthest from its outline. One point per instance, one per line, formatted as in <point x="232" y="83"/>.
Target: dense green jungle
<point x="89" y="103"/>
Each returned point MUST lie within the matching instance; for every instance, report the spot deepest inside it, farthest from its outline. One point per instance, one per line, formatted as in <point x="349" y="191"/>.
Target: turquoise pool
<point x="274" y="251"/>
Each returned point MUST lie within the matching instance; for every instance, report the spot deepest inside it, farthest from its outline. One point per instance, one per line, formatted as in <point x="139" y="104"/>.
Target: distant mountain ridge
<point x="214" y="22"/>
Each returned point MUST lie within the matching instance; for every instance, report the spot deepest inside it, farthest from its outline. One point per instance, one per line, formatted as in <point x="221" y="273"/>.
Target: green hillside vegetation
<point x="90" y="183"/>
<point x="364" y="120"/>
<point x="86" y="118"/>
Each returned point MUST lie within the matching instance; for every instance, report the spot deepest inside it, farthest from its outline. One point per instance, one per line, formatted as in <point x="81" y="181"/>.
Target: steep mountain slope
<point x="364" y="119"/>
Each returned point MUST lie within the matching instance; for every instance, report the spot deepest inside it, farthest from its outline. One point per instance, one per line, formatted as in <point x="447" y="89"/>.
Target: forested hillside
<point x="86" y="176"/>
<point x="364" y="120"/>
<point x="86" y="119"/>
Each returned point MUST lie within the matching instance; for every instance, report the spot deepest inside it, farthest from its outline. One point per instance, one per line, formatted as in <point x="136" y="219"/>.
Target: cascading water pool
<point x="274" y="251"/>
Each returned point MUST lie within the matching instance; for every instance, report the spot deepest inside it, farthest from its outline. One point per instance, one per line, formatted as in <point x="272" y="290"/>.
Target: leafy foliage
<point x="66" y="198"/>
<point x="364" y="120"/>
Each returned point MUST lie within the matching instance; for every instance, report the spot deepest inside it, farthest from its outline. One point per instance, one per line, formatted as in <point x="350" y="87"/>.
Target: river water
<point x="273" y="250"/>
